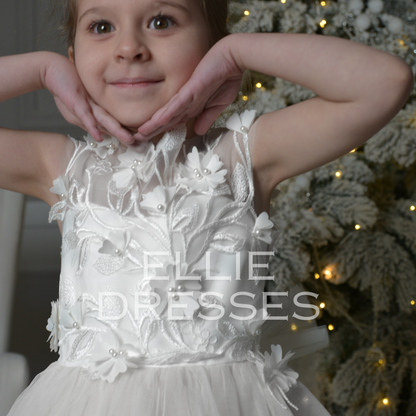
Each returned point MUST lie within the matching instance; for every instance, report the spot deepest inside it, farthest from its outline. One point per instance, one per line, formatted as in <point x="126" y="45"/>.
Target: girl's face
<point x="133" y="56"/>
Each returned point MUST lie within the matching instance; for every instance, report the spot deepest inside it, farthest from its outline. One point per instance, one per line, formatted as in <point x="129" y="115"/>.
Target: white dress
<point x="160" y="304"/>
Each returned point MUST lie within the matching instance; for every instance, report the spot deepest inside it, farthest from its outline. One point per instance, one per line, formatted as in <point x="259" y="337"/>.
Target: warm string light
<point x="412" y="302"/>
<point x="338" y="174"/>
<point x="258" y="85"/>
<point x="327" y="274"/>
<point x="331" y="327"/>
<point x="323" y="3"/>
<point x="412" y="207"/>
<point x="283" y="1"/>
<point x="293" y="327"/>
<point x="401" y="41"/>
<point x="385" y="401"/>
<point x="244" y="98"/>
<point x="246" y="13"/>
<point x="322" y="23"/>
<point x="317" y="276"/>
<point x="353" y="150"/>
<point x="357" y="226"/>
<point x="322" y="305"/>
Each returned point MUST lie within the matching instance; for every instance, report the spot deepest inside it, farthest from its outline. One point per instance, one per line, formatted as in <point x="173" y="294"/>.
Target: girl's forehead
<point x="180" y="4"/>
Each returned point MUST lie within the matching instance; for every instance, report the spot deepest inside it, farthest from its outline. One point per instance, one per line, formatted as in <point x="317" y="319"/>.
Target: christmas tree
<point x="348" y="229"/>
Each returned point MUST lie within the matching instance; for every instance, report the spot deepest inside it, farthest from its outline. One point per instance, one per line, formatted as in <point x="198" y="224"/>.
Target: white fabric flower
<point x="111" y="355"/>
<point x="276" y="369"/>
<point x="201" y="171"/>
<point x="134" y="163"/>
<point x="158" y="200"/>
<point x="60" y="186"/>
<point x="241" y="122"/>
<point x="262" y="228"/>
<point x="104" y="148"/>
<point x="73" y="318"/>
<point x="167" y="288"/>
<point x="116" y="244"/>
<point x="53" y="326"/>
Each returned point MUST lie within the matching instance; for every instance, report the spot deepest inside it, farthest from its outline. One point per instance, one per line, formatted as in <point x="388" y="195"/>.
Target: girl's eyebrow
<point x="156" y="4"/>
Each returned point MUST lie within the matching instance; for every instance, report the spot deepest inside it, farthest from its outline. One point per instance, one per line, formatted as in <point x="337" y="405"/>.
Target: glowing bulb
<point x="338" y="174"/>
<point x="283" y="1"/>
<point x="328" y="274"/>
<point x="322" y="305"/>
<point x="258" y="85"/>
<point x="412" y="207"/>
<point x="353" y="150"/>
<point x="246" y="13"/>
<point x="322" y="23"/>
<point x="331" y="327"/>
<point x="317" y="276"/>
<point x="323" y="3"/>
<point x="293" y="327"/>
<point x="412" y="302"/>
<point x="381" y="362"/>
<point x="385" y="401"/>
<point x="401" y="42"/>
<point x="244" y="98"/>
<point x="357" y="226"/>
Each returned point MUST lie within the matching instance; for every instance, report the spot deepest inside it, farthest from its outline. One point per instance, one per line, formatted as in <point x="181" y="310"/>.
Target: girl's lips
<point x="134" y="83"/>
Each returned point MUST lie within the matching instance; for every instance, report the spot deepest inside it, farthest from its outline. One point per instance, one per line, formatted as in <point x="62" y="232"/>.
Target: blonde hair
<point x="215" y="13"/>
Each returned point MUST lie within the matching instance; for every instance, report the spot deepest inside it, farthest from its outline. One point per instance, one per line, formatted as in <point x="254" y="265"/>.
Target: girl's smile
<point x="134" y="56"/>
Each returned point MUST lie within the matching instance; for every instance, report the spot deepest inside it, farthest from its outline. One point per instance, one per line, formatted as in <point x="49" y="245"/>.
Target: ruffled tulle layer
<point x="234" y="389"/>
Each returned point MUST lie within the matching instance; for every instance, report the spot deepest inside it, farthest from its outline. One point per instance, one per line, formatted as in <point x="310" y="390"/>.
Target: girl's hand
<point x="212" y="87"/>
<point x="61" y="78"/>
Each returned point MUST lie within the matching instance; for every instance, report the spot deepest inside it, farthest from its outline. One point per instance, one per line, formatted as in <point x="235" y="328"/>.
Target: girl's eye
<point x="101" y="28"/>
<point x="161" y="23"/>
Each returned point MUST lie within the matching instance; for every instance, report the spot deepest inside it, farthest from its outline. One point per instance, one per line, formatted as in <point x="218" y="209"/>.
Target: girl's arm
<point x="359" y="89"/>
<point x="29" y="161"/>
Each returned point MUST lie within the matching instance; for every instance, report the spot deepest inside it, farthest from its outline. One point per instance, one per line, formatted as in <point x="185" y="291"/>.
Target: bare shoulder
<point x="30" y="161"/>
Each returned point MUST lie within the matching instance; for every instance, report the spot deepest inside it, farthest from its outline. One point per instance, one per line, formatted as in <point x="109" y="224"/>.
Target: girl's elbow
<point x="405" y="80"/>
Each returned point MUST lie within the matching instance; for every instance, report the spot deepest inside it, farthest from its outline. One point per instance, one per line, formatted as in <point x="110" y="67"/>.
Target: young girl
<point x="165" y="222"/>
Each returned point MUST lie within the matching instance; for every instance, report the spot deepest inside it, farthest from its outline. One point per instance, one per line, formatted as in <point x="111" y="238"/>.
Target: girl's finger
<point x="111" y="125"/>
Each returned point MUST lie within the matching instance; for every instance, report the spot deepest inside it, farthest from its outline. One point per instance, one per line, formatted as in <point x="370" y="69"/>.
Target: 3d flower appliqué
<point x="111" y="355"/>
<point x="115" y="251"/>
<point x="134" y="163"/>
<point x="241" y="122"/>
<point x="104" y="148"/>
<point x="201" y="171"/>
<point x="53" y="326"/>
<point x="263" y="228"/>
<point x="276" y="369"/>
<point x="158" y="200"/>
<point x="177" y="288"/>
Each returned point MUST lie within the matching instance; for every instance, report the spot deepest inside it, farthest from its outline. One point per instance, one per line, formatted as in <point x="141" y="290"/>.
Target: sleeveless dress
<point x="161" y="304"/>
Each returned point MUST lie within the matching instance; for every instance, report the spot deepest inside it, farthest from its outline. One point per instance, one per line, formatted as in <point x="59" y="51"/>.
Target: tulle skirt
<point x="232" y="389"/>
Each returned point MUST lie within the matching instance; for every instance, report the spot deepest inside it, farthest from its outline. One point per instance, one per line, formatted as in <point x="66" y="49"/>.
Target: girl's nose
<point x="129" y="48"/>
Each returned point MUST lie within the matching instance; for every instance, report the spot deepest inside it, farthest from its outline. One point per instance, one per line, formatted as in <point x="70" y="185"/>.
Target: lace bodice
<point x="163" y="255"/>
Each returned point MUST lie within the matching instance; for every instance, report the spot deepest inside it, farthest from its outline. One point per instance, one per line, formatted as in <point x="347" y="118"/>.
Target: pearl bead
<point x="257" y="232"/>
<point x="133" y="167"/>
<point x="258" y="332"/>
<point x="111" y="351"/>
<point x="75" y="324"/>
<point x="135" y="161"/>
<point x="244" y="129"/>
<point x="93" y="145"/>
<point x="160" y="207"/>
<point x="180" y="288"/>
<point x="121" y="352"/>
<point x="175" y="297"/>
<point x="198" y="175"/>
<point x="171" y="289"/>
<point x="117" y="251"/>
<point x="63" y="196"/>
<point x="111" y="146"/>
<point x="115" y="354"/>
<point x="195" y="170"/>
<point x="206" y="171"/>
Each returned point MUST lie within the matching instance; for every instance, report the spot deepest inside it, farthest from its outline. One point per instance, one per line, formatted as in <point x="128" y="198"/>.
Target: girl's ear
<point x="71" y="54"/>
